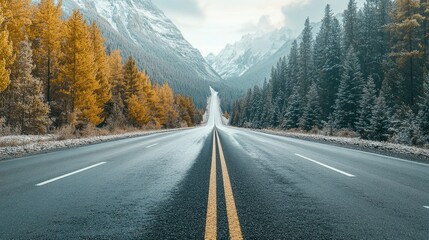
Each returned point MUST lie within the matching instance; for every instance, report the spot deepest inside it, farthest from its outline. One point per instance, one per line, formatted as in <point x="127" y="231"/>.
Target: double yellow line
<point x="231" y="210"/>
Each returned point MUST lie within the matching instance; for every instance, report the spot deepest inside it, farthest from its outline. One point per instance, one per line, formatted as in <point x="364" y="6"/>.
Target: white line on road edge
<point x="326" y="166"/>
<point x="153" y="145"/>
<point x="426" y="207"/>
<point x="68" y="174"/>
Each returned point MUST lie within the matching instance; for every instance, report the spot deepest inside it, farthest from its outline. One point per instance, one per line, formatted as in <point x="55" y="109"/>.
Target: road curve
<point x="213" y="182"/>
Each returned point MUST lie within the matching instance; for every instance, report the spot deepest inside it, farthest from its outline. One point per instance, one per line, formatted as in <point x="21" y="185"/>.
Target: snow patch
<point x="357" y="142"/>
<point x="21" y="145"/>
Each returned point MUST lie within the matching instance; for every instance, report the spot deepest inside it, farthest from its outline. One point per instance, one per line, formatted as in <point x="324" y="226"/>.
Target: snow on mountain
<point x="236" y="59"/>
<point x="145" y="27"/>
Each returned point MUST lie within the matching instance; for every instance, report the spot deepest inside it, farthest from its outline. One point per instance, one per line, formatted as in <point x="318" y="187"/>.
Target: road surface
<point x="213" y="182"/>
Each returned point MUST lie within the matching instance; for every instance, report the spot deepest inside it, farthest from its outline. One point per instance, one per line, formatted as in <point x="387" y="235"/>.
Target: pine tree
<point x="351" y="26"/>
<point x="77" y="81"/>
<point x="321" y="42"/>
<point x="349" y="93"/>
<point x="405" y="127"/>
<point x="393" y="86"/>
<point x="407" y="50"/>
<point x="312" y="112"/>
<point x="132" y="79"/>
<point x="292" y="113"/>
<point x="47" y="35"/>
<point x="138" y="111"/>
<point x="329" y="63"/>
<point x="379" y="122"/>
<point x="101" y="67"/>
<point x="277" y="110"/>
<point x="305" y="60"/>
<point x="423" y="115"/>
<point x="256" y="109"/>
<point x="168" y="114"/>
<point x="5" y="54"/>
<point x="116" y="77"/>
<point x="117" y="118"/>
<point x="293" y="68"/>
<point x="268" y="115"/>
<point x="373" y="39"/>
<point x="28" y="111"/>
<point x="367" y="104"/>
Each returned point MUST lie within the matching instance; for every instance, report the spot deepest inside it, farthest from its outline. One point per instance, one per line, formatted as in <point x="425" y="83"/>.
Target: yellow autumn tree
<point x="77" y="79"/>
<point x="169" y="115"/>
<point x="132" y="79"/>
<point x="46" y="33"/>
<point x="186" y="110"/>
<point x="17" y="20"/>
<point x="137" y="111"/>
<point x="116" y="77"/>
<point x="5" y="54"/>
<point x="101" y="66"/>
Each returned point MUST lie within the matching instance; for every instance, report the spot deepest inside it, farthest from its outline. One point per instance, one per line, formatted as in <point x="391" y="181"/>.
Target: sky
<point x="211" y="24"/>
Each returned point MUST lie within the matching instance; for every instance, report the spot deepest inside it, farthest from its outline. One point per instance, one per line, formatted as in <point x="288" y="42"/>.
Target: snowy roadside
<point x="22" y="145"/>
<point x="392" y="149"/>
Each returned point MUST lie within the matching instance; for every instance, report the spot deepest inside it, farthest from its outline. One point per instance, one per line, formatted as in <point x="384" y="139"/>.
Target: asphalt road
<point x="213" y="182"/>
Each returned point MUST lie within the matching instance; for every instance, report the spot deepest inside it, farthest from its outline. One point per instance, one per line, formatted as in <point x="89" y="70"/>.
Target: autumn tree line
<point x="55" y="72"/>
<point x="367" y="76"/>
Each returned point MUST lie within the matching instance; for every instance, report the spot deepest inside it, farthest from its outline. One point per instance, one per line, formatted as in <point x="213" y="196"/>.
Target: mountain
<point x="249" y="61"/>
<point x="140" y="29"/>
<point x="236" y="61"/>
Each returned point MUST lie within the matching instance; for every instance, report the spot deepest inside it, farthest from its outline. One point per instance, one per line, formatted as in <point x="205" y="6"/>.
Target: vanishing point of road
<point x="213" y="182"/>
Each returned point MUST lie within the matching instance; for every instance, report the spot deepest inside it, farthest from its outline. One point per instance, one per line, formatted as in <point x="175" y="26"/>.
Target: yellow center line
<point x="211" y="205"/>
<point x="231" y="210"/>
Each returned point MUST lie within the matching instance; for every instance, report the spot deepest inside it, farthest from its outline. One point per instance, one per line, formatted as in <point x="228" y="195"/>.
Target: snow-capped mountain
<point x="236" y="59"/>
<point x="139" y="29"/>
<point x="145" y="27"/>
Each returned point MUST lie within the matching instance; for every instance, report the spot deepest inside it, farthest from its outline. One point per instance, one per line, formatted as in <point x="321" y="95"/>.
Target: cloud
<point x="296" y="12"/>
<point x="188" y="8"/>
<point x="264" y="24"/>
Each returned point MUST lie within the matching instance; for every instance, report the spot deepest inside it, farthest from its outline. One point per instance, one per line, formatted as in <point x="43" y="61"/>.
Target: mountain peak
<point x="237" y="58"/>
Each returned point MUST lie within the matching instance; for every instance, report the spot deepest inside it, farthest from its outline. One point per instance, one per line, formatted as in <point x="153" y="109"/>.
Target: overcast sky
<point x="210" y="24"/>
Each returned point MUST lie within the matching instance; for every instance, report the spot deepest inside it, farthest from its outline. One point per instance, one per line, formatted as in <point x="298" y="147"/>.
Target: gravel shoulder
<point x="22" y="145"/>
<point x="384" y="148"/>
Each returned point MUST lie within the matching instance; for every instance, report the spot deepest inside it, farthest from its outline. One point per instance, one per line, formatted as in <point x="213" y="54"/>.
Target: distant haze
<point x="210" y="24"/>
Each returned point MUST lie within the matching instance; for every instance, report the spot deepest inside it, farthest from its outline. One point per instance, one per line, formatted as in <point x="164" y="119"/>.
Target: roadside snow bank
<point x="21" y="145"/>
<point x="356" y="142"/>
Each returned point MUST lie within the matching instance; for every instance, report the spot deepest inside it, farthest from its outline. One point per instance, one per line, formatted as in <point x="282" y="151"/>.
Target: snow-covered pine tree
<point x="404" y="127"/>
<point x="329" y="67"/>
<point x="28" y="111"/>
<point x="366" y="106"/>
<point x="380" y="121"/>
<point x="312" y="112"/>
<point x="321" y="42"/>
<point x="349" y="93"/>
<point x="423" y="115"/>
<point x="350" y="23"/>
<point x="293" y="111"/>
<point x="267" y="111"/>
<point x="305" y="60"/>
<point x="256" y="109"/>
<point x="293" y="59"/>
<point x="277" y="110"/>
<point x="373" y="40"/>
